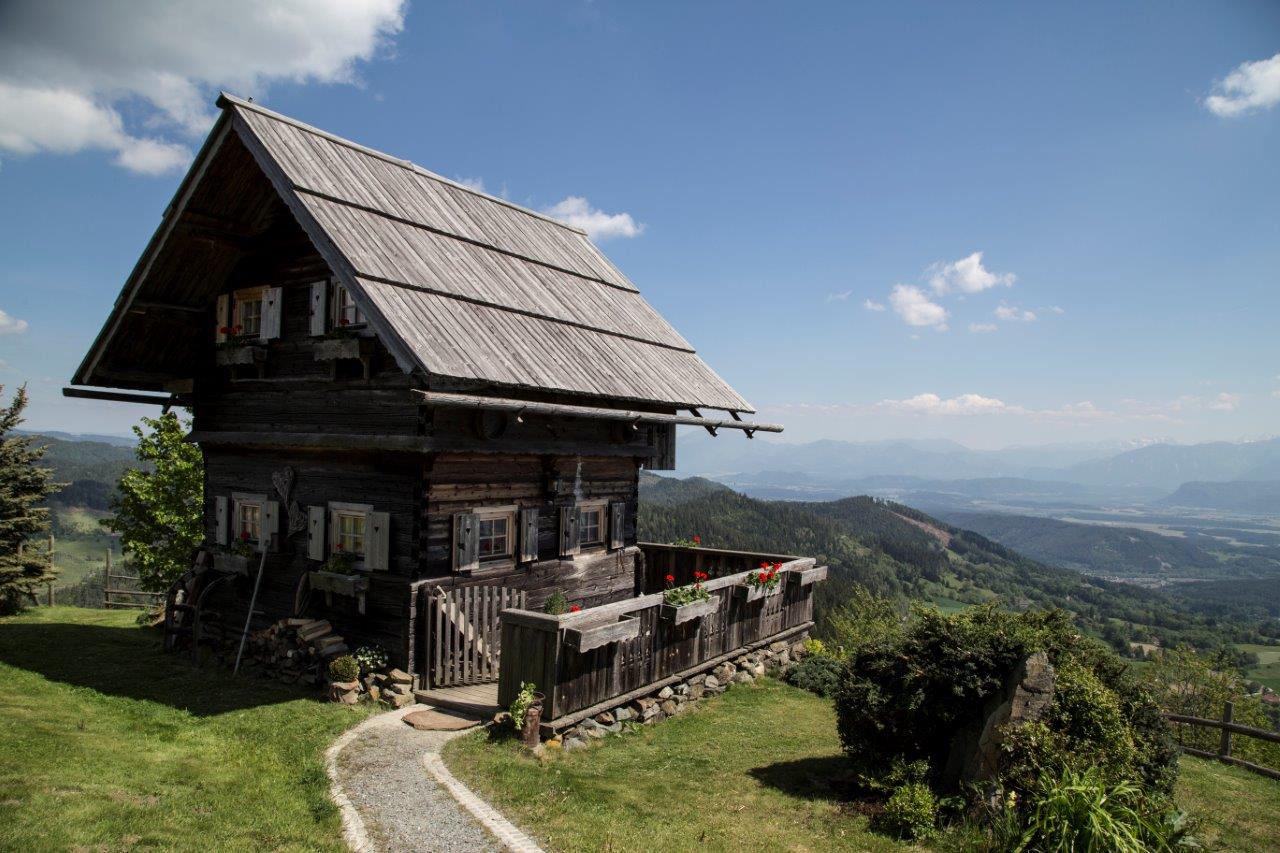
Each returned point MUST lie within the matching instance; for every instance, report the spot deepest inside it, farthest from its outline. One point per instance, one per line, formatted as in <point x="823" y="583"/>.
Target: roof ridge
<point x="225" y="98"/>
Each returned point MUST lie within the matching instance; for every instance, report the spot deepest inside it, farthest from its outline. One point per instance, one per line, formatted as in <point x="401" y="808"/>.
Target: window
<point x="347" y="523"/>
<point x="591" y="524"/>
<point x="345" y="312"/>
<point x="248" y="517"/>
<point x="248" y="313"/>
<point x="496" y="533"/>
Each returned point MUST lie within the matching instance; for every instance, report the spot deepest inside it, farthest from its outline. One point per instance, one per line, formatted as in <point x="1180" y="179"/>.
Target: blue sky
<point x="763" y="172"/>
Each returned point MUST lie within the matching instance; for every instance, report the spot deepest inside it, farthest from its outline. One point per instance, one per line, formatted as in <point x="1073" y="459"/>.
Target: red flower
<point x="244" y="534"/>
<point x="697" y="540"/>
<point x="224" y="330"/>
<point x="701" y="576"/>
<point x="764" y="565"/>
<point x="671" y="578"/>
<point x="764" y="578"/>
<point x="574" y="608"/>
<point x="337" y="547"/>
<point x="343" y="322"/>
<point x="777" y="566"/>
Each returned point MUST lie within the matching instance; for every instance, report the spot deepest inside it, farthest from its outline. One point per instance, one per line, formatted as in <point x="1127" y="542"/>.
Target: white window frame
<point x="490" y="513"/>
<point x="243" y="499"/>
<point x="240" y="298"/>
<point x="337" y="510"/>
<point x="344" y="308"/>
<point x="602" y="507"/>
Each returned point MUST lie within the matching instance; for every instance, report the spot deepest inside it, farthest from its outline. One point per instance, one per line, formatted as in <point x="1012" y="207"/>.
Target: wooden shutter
<point x="220" y="520"/>
<point x="617" y="524"/>
<point x="466" y="541"/>
<point x="270" y="525"/>
<point x="569" y="531"/>
<point x="315" y="532"/>
<point x="528" y="535"/>
<point x="272" y="308"/>
<point x="222" y="318"/>
<point x="377" y="541"/>
<point x="319" y="307"/>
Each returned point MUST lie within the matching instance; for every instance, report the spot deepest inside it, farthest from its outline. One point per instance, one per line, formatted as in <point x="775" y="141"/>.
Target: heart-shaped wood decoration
<point x="283" y="481"/>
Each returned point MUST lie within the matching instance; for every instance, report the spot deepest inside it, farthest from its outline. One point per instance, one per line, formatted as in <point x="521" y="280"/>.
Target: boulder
<point x="743" y="678"/>
<point x="398" y="700"/>
<point x="695" y="691"/>
<point x="669" y="707"/>
<point x="571" y="743"/>
<point x="604" y="718"/>
<point x="682" y="689"/>
<point x="724" y="672"/>
<point x="623" y="713"/>
<point x="399" y="676"/>
<point x="666" y="693"/>
<point x="711" y="682"/>
<point x="777" y="646"/>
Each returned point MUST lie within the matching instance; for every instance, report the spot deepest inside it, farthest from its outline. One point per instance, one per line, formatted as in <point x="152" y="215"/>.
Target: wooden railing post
<point x="52" y="568"/>
<point x="106" y="583"/>
<point x="1228" y="713"/>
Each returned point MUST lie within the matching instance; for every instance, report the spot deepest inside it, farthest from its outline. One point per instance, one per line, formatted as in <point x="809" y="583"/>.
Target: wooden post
<point x="1228" y="713"/>
<point x="106" y="582"/>
<point x="51" y="568"/>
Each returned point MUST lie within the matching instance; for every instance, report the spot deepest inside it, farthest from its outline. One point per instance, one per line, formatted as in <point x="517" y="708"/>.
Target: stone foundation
<point x="676" y="699"/>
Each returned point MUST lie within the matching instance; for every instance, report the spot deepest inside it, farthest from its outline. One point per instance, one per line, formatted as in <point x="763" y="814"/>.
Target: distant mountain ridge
<point x="1260" y="496"/>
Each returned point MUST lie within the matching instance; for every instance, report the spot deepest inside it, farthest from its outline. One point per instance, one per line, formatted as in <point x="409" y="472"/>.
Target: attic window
<point x="247" y="321"/>
<point x="345" y="312"/>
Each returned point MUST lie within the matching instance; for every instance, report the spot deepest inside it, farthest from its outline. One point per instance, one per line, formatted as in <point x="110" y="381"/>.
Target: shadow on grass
<point x="128" y="662"/>
<point x="825" y="777"/>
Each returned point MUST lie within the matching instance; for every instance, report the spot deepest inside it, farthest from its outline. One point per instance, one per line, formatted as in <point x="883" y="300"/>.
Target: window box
<point x="677" y="615"/>
<point x="230" y="563"/>
<point x="748" y="592"/>
<point x="232" y="355"/>
<point x="332" y="583"/>
<point x="588" y="637"/>
<point x="805" y="577"/>
<point x="332" y="349"/>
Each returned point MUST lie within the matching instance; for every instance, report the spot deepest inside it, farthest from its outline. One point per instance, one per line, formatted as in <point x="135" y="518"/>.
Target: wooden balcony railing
<point x="599" y="658"/>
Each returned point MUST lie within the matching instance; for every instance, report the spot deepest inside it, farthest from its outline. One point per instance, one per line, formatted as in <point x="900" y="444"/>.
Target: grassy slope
<point x="106" y="741"/>
<point x="744" y="772"/>
<point x="1268" y="669"/>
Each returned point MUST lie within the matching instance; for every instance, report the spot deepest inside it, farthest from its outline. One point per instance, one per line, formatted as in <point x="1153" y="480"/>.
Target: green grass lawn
<point x="107" y="743"/>
<point x="1268" y="669"/>
<point x="748" y="771"/>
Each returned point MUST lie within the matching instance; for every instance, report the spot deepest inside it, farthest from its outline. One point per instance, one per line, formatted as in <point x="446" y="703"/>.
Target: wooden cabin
<point x="394" y="375"/>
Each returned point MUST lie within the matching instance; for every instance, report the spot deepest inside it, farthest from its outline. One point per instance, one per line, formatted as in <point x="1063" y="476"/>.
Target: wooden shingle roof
<point x="468" y="286"/>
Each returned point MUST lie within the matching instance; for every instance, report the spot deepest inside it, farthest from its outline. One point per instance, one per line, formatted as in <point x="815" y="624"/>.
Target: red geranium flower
<point x="343" y="322"/>
<point x="671" y="578"/>
<point x="244" y="534"/>
<point x="574" y="608"/>
<point x="697" y="540"/>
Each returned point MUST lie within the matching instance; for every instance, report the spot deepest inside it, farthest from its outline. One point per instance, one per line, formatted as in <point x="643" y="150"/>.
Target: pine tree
<point x="24" y="566"/>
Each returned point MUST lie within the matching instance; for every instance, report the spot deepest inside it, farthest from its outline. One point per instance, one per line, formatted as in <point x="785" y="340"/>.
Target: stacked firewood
<point x="294" y="650"/>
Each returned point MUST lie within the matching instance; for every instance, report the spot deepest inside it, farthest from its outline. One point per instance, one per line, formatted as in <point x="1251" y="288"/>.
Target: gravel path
<point x="382" y="773"/>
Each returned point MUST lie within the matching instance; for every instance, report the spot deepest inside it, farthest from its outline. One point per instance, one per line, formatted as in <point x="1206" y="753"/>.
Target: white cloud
<point x="574" y="210"/>
<point x="11" y="325"/>
<point x="839" y="297"/>
<point x="1252" y="86"/>
<point x="67" y="69"/>
<point x="476" y="184"/>
<point x="1225" y="402"/>
<point x="966" y="275"/>
<point x="1054" y="309"/>
<point x="932" y="404"/>
<point x="872" y="305"/>
<point x="1013" y="312"/>
<point x="915" y="308"/>
<point x="982" y="328"/>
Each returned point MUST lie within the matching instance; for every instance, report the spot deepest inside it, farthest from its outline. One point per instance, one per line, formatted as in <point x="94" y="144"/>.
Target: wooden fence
<point x="1228" y="729"/>
<point x="467" y="633"/>
<point x="599" y="658"/>
<point x="681" y="562"/>
<point x="125" y="597"/>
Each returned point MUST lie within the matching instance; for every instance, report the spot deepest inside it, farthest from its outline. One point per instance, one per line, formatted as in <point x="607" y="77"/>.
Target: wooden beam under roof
<point x="518" y="407"/>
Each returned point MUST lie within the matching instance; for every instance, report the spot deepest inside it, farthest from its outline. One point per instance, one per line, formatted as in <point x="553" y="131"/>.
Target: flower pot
<point x="805" y="577"/>
<point x="335" y="583"/>
<point x="531" y="731"/>
<point x="588" y="637"/>
<point x="679" y="614"/>
<point x="234" y="564"/>
<point x="749" y="592"/>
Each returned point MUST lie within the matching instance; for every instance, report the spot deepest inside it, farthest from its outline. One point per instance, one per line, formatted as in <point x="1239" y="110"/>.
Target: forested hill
<point x="90" y="469"/>
<point x="896" y="551"/>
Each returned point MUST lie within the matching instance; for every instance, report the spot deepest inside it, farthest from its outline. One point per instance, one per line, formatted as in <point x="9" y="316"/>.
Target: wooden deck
<point x="478" y="699"/>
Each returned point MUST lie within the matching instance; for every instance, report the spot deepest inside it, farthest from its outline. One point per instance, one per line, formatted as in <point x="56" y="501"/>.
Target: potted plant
<point x="236" y="558"/>
<point x="339" y="575"/>
<point x="526" y="713"/>
<point x="683" y="603"/>
<point x="761" y="583"/>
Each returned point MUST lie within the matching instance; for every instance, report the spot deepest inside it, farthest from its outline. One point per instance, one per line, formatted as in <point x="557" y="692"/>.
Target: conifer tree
<point x="24" y="488"/>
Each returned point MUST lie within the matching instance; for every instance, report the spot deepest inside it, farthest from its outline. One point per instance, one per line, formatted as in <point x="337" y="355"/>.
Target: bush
<point x="556" y="604"/>
<point x="818" y="673"/>
<point x="911" y="812"/>
<point x="344" y="668"/>
<point x="372" y="658"/>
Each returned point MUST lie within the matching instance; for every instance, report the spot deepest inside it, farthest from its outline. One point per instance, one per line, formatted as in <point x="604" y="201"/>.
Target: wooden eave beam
<point x="167" y="401"/>
<point x="517" y="407"/>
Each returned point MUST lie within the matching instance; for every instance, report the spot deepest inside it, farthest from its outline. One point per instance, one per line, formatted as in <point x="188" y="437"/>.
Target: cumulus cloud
<point x="1225" y="402"/>
<point x="982" y="328"/>
<point x="574" y="210"/>
<point x="916" y="309"/>
<point x="1014" y="313"/>
<point x="966" y="275"/>
<point x="67" y="70"/>
<point x="11" y="325"/>
<point x="932" y="404"/>
<point x="1251" y="87"/>
<point x="476" y="184"/>
<point x="872" y="305"/>
<point x="839" y="297"/>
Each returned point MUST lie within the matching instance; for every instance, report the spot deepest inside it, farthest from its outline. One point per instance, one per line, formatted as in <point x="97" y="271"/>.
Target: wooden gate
<point x="466" y="633"/>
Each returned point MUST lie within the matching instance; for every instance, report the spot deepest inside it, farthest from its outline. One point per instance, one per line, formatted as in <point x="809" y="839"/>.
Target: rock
<point x="1028" y="691"/>
<point x="401" y="689"/>
<point x="612" y="729"/>
<point x="668" y="707"/>
<point x="695" y="692"/>
<point x="399" y="676"/>
<point x="682" y="689"/>
<point x="431" y="720"/>
<point x="645" y="708"/>
<point x="623" y="714"/>
<point x="595" y="732"/>
<point x="679" y="698"/>
<point x="349" y="698"/>
<point x="346" y="692"/>
<point x="743" y="678"/>
<point x="399" y="700"/>
<point x="604" y="718"/>
<point x="783" y="659"/>
<point x="657" y="717"/>
<point x="571" y="743"/>
<point x="666" y="693"/>
<point x="777" y="646"/>
<point x="711" y="681"/>
<point x="724" y="672"/>
<point x="757" y="669"/>
<point x="798" y="651"/>
<point x="375" y="692"/>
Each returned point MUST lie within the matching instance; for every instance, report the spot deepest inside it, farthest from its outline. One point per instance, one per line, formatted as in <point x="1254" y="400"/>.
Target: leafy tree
<point x="23" y="487"/>
<point x="159" y="513"/>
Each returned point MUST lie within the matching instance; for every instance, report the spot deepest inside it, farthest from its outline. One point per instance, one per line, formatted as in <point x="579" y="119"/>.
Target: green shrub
<point x="819" y="673"/>
<point x="372" y="658"/>
<point x="344" y="668"/>
<point x="556" y="603"/>
<point x="911" y="812"/>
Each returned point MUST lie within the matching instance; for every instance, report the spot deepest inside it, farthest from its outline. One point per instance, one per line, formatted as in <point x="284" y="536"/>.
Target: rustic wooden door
<point x="466" y="633"/>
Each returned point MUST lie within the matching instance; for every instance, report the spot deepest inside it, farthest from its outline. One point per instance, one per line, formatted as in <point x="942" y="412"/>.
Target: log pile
<point x="294" y="650"/>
